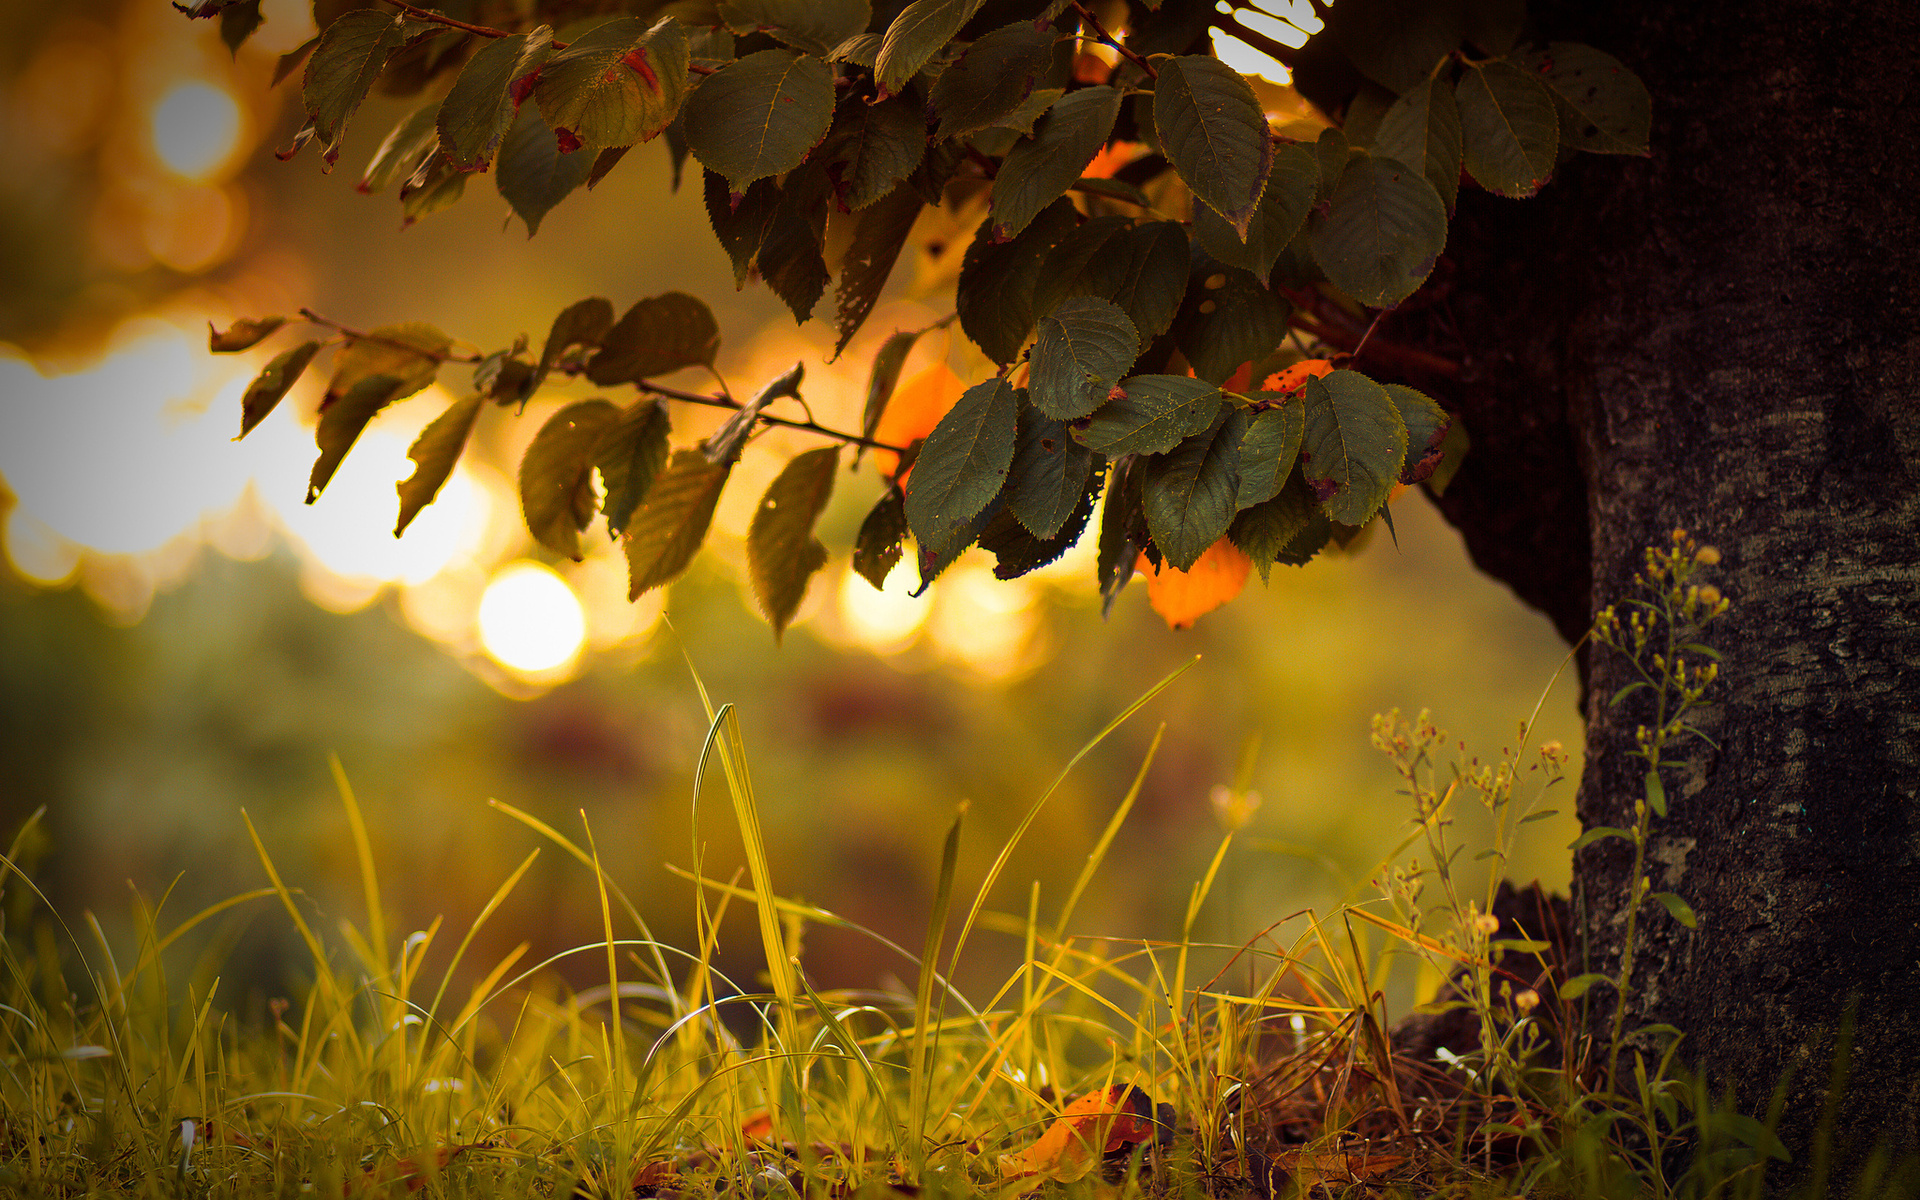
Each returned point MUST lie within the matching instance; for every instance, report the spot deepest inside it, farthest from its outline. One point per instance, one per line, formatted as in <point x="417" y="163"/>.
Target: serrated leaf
<point x="1123" y="531"/>
<point x="1599" y="833"/>
<point x="879" y="546"/>
<point x="815" y="26"/>
<point x="1271" y="531"/>
<point x="556" y="475"/>
<point x="936" y="170"/>
<point x="671" y="523"/>
<point x="915" y="36"/>
<point x="243" y="334"/>
<point x="1040" y="169"/>
<point x="630" y="454"/>
<point x="1509" y="132"/>
<point x="268" y="388"/>
<point x="991" y="77"/>
<point x="963" y="464"/>
<point x="862" y="50"/>
<point x="740" y="222"/>
<point x="997" y="281"/>
<point x="1048" y="476"/>
<point x="434" y="453"/>
<point x="782" y="553"/>
<point x="1677" y="908"/>
<point x="933" y="560"/>
<point x="531" y="173"/>
<point x="1189" y="493"/>
<point x="1427" y="424"/>
<point x="1396" y="43"/>
<point x="582" y="323"/>
<point x="1603" y="107"/>
<point x="760" y="115"/>
<point x="657" y="335"/>
<point x="1353" y="446"/>
<point x="1082" y="348"/>
<point x="1291" y="186"/>
<point x="350" y="55"/>
<point x="1142" y="269"/>
<point x="998" y="138"/>
<point x="724" y="444"/>
<point x="619" y="83"/>
<point x="879" y="234"/>
<point x="341" y="421"/>
<point x="479" y="107"/>
<point x="1270" y="449"/>
<point x="1150" y="414"/>
<point x="1422" y="130"/>
<point x="1384" y="229"/>
<point x="403" y="151"/>
<point x="410" y="352"/>
<point x="875" y="146"/>
<point x="1017" y="549"/>
<point x="1210" y="126"/>
<point x="1656" y="794"/>
<point x="887" y="364"/>
<point x="1228" y="318"/>
<point x="791" y="257"/>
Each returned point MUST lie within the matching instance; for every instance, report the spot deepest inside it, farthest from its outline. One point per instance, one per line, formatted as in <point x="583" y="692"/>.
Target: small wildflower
<point x="1486" y="924"/>
<point x="1552" y="749"/>
<point x="1706" y="556"/>
<point x="1526" y="1001"/>
<point x="1709" y="595"/>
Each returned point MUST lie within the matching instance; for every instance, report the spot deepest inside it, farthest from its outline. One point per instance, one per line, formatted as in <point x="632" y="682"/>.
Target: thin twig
<point x="1100" y="32"/>
<point x="361" y="335"/>
<point x="1371" y="326"/>
<point x="647" y="385"/>
<point x="449" y="22"/>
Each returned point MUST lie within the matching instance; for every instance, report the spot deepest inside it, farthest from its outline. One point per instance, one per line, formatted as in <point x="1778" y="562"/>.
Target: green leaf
<point x="504" y="376"/>
<point x="1210" y="126"/>
<point x="782" y="553"/>
<point x="630" y="454"/>
<point x="1656" y="794"/>
<point x="1422" y="130"/>
<point x="1270" y="448"/>
<point x="915" y="36"/>
<point x="1188" y="494"/>
<point x="1678" y="909"/>
<point x="436" y="185"/>
<point x="997" y="281"/>
<point x="1283" y="528"/>
<point x="350" y="55"/>
<point x="878" y="547"/>
<point x="1330" y="155"/>
<point x="1427" y="424"/>
<point x="1353" y="446"/>
<point x="243" y="334"/>
<point x="1603" y="107"/>
<point x="479" y="108"/>
<point x="1123" y="531"/>
<point x="991" y="77"/>
<point x="237" y="23"/>
<point x="1289" y="196"/>
<point x="1382" y="233"/>
<point x="666" y="531"/>
<point x="887" y="364"/>
<point x="998" y="139"/>
<point x="1084" y="347"/>
<point x="1049" y="474"/>
<point x="1228" y="318"/>
<point x="790" y="258"/>
<point x="1040" y="169"/>
<point x="1112" y="189"/>
<point x="879" y="234"/>
<point x="760" y="115"/>
<point x="290" y="62"/>
<point x="582" y="323"/>
<point x="875" y="146"/>
<point x="1509" y="131"/>
<point x="264" y="394"/>
<point x="433" y="453"/>
<point x="556" y="475"/>
<point x="1396" y="43"/>
<point x="1580" y="985"/>
<point x="963" y="464"/>
<point x="658" y="335"/>
<point x="410" y="352"/>
<point x="932" y="560"/>
<point x="341" y="420"/>
<point x="617" y="84"/>
<point x="531" y="172"/>
<point x="1150" y="414"/>
<point x="815" y="26"/>
<point x="1599" y="833"/>
<point x="740" y="220"/>
<point x="402" y="152"/>
<point x="1017" y="550"/>
<point x="1142" y="269"/>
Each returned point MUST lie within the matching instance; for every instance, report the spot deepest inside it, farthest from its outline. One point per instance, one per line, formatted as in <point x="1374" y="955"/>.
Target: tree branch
<point x="1100" y="34"/>
<point x="810" y="426"/>
<point x="361" y="335"/>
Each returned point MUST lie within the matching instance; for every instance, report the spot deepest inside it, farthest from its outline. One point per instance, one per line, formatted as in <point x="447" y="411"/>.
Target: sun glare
<point x="530" y="620"/>
<point x="196" y="127"/>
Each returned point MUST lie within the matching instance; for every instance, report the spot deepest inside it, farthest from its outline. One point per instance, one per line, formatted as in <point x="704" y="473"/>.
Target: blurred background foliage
<point x="181" y="638"/>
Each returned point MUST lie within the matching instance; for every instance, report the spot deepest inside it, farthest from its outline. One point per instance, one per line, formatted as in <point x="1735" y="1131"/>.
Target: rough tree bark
<point x="1725" y="337"/>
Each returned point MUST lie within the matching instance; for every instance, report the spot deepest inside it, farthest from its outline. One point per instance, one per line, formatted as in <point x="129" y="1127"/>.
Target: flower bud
<point x="1486" y="924"/>
<point x="1709" y="594"/>
<point x="1706" y="556"/>
<point x="1526" y="1001"/>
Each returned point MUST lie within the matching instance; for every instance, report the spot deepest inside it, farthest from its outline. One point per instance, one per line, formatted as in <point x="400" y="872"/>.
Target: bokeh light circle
<point x="196" y="126"/>
<point x="530" y="620"/>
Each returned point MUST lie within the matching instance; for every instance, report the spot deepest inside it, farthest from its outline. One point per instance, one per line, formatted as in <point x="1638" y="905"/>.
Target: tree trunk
<point x="1725" y="338"/>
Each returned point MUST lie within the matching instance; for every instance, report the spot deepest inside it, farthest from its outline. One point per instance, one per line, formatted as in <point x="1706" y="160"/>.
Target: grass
<point x="1095" y="1068"/>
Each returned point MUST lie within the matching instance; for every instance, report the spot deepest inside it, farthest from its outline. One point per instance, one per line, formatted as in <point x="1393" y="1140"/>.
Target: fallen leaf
<point x="1095" y="1124"/>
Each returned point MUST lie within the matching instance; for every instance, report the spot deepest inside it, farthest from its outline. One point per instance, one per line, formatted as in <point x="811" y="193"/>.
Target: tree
<point x="1717" y="335"/>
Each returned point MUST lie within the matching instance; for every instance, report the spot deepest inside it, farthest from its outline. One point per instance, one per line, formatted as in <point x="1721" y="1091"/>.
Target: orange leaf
<point x="917" y="405"/>
<point x="1295" y="377"/>
<point x="1109" y="1119"/>
<point x="759" y="1125"/>
<point x="1112" y="158"/>
<point x="1184" y="596"/>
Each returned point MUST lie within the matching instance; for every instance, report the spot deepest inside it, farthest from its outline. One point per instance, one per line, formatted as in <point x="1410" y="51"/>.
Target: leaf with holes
<point x="1427" y="424"/>
<point x="1603" y="107"/>
<point x="434" y="453"/>
<point x="1150" y="414"/>
<point x="1049" y="474"/>
<point x="1188" y="494"/>
<point x="1210" y="126"/>
<point x="556" y="475"/>
<point x="879" y="234"/>
<point x="963" y="464"/>
<point x="1017" y="549"/>
<point x="1384" y="228"/>
<point x="782" y="553"/>
<point x="630" y="454"/>
<point x="531" y="173"/>
<point x="264" y="394"/>
<point x="1353" y="446"/>
<point x="1509" y="131"/>
<point x="760" y="115"/>
<point x="878" y="547"/>
<point x="1040" y="169"/>
<point x="479" y="108"/>
<point x="617" y="84"/>
<point x="1084" y="347"/>
<point x="992" y="77"/>
<point x="875" y="146"/>
<point x="657" y="335"/>
<point x="1228" y="318"/>
<point x="350" y="55"/>
<point x="915" y="36"/>
<point x="1289" y="195"/>
<point x="815" y="26"/>
<point x="671" y="523"/>
<point x="1270" y="448"/>
<point x="998" y="280"/>
<point x="1422" y="130"/>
